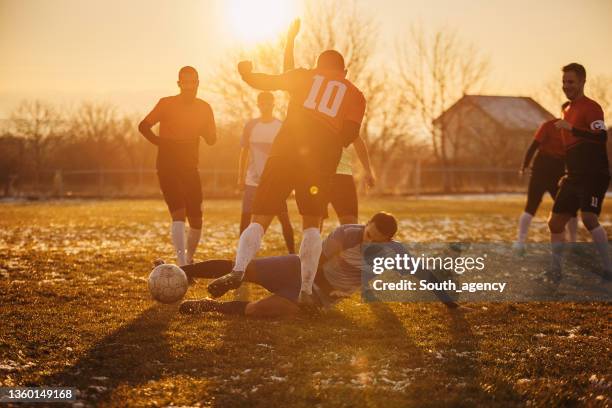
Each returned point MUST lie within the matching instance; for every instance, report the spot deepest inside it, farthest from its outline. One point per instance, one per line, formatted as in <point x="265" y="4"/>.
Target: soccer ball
<point x="168" y="283"/>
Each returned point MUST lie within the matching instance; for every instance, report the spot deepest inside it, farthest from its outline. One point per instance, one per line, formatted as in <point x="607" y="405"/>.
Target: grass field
<point x="75" y="311"/>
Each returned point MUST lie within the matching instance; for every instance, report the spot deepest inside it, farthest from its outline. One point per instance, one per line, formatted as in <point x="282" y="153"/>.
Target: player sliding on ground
<point x="548" y="168"/>
<point x="588" y="176"/>
<point x="182" y="119"/>
<point x="343" y="193"/>
<point x="340" y="273"/>
<point x="324" y="115"/>
<point x="256" y="141"/>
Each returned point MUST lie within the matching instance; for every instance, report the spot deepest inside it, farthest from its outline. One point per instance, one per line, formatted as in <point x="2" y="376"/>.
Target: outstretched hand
<point x="245" y="67"/>
<point x="294" y="29"/>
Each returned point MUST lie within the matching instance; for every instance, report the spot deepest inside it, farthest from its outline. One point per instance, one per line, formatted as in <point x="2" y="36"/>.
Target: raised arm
<point x="288" y="60"/>
<point x="263" y="82"/>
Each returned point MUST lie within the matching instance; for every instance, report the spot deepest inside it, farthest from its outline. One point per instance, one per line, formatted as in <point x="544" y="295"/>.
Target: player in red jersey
<point x="547" y="169"/>
<point x="182" y="119"/>
<point x="343" y="196"/>
<point x="588" y="176"/>
<point x="324" y="115"/>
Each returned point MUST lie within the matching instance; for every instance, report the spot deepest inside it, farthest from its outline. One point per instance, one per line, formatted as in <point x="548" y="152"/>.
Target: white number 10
<point x="325" y="104"/>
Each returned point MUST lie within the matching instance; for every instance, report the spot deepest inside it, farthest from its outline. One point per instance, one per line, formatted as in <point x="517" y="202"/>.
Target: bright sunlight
<point x="256" y="21"/>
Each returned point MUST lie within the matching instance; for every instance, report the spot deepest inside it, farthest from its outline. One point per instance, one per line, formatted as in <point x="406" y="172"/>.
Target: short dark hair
<point x="265" y="95"/>
<point x="188" y="70"/>
<point x="577" y="68"/>
<point x="331" y="59"/>
<point x="385" y="223"/>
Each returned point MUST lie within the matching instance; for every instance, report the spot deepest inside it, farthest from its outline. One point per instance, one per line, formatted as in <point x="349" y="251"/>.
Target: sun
<point x="254" y="21"/>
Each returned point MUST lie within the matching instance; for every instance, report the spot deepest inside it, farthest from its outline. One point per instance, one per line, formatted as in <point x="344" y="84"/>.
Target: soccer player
<point x="343" y="193"/>
<point x="182" y="119"/>
<point x="339" y="274"/>
<point x="257" y="138"/>
<point x="584" y="187"/>
<point x="324" y="115"/>
<point x="548" y="168"/>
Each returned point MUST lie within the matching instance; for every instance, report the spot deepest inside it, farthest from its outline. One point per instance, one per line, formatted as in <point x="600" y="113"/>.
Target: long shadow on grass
<point x="133" y="354"/>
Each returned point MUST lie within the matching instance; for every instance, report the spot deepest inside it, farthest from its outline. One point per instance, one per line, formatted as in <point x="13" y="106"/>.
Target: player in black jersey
<point x="588" y="176"/>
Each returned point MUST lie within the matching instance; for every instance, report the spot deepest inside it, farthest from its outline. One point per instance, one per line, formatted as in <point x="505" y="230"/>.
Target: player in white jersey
<point x="256" y="141"/>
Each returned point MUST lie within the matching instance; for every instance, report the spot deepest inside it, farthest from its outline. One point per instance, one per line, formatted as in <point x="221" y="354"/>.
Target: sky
<point x="127" y="52"/>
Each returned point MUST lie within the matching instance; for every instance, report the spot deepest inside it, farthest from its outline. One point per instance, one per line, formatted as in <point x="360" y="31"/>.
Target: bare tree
<point x="39" y="124"/>
<point x="434" y="70"/>
<point x="343" y="26"/>
<point x="99" y="127"/>
<point x="599" y="88"/>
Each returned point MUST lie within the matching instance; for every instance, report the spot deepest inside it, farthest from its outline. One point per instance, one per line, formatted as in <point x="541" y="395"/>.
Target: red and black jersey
<point x="324" y="114"/>
<point x="550" y="139"/>
<point x="585" y="144"/>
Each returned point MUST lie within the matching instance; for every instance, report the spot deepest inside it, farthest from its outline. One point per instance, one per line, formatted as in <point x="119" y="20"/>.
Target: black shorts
<point x="584" y="193"/>
<point x="547" y="171"/>
<point x="280" y="177"/>
<point x="182" y="189"/>
<point x="343" y="195"/>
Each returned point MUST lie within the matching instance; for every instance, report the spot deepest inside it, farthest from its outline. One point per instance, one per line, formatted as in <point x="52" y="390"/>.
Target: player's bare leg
<point x="177" y="233"/>
<point x="285" y="222"/>
<point x="600" y="240"/>
<point x="556" y="225"/>
<point x="571" y="229"/>
<point x="271" y="306"/>
<point x="248" y="245"/>
<point x="193" y="237"/>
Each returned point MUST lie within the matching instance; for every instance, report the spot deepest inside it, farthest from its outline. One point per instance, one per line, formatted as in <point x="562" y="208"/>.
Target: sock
<point x="557" y="242"/>
<point x="571" y="228"/>
<point x="178" y="240"/>
<point x="193" y="239"/>
<point x="600" y="239"/>
<point x="310" y="251"/>
<point x="248" y="245"/>
<point x="524" y="222"/>
<point x="235" y="307"/>
<point x="287" y="233"/>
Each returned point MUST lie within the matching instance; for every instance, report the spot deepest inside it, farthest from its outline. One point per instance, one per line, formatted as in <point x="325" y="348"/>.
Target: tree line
<point x="406" y="87"/>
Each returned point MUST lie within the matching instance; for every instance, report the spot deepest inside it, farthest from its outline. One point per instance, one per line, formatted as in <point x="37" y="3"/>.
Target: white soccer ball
<point x="168" y="283"/>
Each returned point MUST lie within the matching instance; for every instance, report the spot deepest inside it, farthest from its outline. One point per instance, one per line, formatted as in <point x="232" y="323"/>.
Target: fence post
<point x="140" y="178"/>
<point x="215" y="182"/>
<point x="58" y="183"/>
<point x="100" y="181"/>
<point x="417" y="178"/>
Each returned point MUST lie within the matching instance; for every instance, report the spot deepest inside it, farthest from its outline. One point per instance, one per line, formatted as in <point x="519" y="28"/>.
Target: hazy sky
<point x="128" y="51"/>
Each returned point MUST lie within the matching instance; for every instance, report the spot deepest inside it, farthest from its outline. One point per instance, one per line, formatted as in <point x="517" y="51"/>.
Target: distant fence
<point x="413" y="180"/>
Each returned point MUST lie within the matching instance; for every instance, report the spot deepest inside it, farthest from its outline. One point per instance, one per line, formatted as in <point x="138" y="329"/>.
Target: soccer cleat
<point x="158" y="262"/>
<point x="553" y="275"/>
<point x="224" y="284"/>
<point x="519" y="248"/>
<point x="198" y="306"/>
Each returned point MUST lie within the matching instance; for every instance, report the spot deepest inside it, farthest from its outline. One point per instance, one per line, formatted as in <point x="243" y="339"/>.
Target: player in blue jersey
<point x="340" y="273"/>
